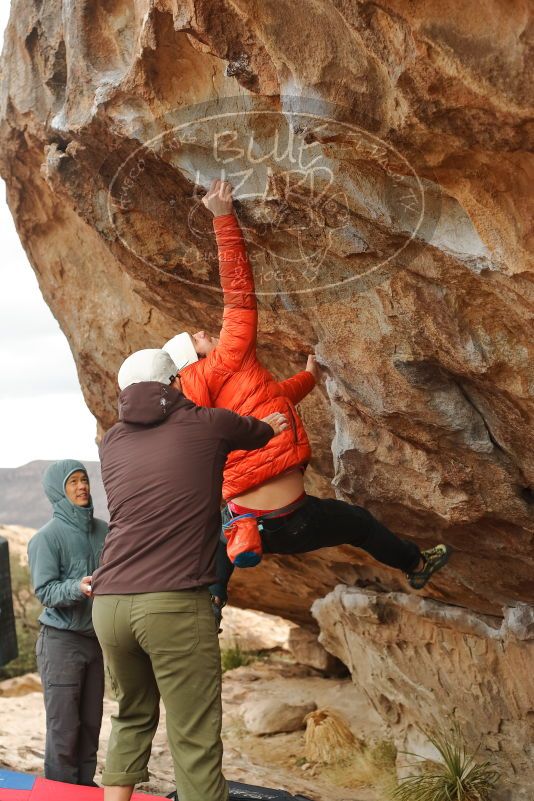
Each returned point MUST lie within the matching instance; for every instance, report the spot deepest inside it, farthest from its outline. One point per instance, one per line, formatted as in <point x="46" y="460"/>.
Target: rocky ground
<point x="276" y="760"/>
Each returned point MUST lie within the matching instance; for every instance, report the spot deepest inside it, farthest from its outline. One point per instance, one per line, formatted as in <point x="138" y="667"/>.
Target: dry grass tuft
<point x="344" y="760"/>
<point x="328" y="737"/>
<point x="373" y="766"/>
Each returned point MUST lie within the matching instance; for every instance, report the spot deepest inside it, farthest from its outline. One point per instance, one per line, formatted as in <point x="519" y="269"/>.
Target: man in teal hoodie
<point x="62" y="556"/>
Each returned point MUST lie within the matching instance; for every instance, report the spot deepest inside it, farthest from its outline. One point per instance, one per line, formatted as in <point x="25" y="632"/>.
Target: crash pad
<point x="11" y="780"/>
<point x="250" y="792"/>
<point x="47" y="790"/>
<point x="24" y="787"/>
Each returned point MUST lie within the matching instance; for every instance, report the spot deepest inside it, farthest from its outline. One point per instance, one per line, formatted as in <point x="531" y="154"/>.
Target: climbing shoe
<point x="434" y="559"/>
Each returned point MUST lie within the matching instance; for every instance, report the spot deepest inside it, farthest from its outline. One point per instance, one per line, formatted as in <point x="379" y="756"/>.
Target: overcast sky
<point x="42" y="411"/>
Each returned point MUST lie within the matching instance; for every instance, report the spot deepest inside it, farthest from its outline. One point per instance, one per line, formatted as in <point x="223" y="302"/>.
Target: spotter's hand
<point x="277" y="421"/>
<point x="85" y="586"/>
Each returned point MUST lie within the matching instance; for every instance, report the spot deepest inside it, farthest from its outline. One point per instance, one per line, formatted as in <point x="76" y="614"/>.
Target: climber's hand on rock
<point x="313" y="368"/>
<point x="277" y="421"/>
<point x="218" y="198"/>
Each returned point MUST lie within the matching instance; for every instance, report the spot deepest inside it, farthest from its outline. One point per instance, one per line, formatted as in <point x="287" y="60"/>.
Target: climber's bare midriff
<point x="275" y="493"/>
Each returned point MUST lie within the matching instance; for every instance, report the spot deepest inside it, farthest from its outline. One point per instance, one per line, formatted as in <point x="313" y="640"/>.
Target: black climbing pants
<point x="72" y="673"/>
<point x="323" y="523"/>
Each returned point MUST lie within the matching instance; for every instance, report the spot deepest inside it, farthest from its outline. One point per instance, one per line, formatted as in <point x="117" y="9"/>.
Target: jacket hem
<point x="114" y="588"/>
<point x="232" y="488"/>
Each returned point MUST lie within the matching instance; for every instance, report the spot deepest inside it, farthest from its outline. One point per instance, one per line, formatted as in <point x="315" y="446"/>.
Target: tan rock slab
<point x="21" y="685"/>
<point x="272" y="716"/>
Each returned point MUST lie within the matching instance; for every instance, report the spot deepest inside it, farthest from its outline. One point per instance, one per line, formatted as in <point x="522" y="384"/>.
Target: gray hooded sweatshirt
<point x="64" y="551"/>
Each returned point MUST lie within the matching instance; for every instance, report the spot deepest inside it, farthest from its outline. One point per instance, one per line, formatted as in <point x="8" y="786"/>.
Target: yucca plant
<point x="458" y="778"/>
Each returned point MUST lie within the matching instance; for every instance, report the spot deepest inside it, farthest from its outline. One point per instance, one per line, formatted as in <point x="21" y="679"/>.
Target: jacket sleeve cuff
<point x="76" y="593"/>
<point x="305" y="384"/>
<point x="223" y="221"/>
<point x="309" y="379"/>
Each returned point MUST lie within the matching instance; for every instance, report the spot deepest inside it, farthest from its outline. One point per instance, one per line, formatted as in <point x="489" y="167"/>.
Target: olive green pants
<point x="164" y="644"/>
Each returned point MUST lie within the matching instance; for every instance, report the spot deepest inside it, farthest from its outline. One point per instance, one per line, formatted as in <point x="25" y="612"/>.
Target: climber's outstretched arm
<point x="298" y="386"/>
<point x="238" y="335"/>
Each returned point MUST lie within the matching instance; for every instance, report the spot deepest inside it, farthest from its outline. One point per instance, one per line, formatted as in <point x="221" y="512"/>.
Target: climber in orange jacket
<point x="225" y="372"/>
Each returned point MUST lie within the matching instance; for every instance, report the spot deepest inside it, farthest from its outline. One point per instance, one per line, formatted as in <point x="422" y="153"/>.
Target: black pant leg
<point x="223" y="566"/>
<point x="326" y="522"/>
<point x="62" y="670"/>
<point x="91" y="708"/>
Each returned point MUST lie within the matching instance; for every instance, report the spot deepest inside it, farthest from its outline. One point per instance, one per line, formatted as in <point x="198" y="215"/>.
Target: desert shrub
<point x="456" y="778"/>
<point x="233" y="657"/>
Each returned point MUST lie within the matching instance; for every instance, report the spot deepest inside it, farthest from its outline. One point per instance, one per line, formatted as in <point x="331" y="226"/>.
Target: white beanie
<point x="181" y="350"/>
<point x="151" y="364"/>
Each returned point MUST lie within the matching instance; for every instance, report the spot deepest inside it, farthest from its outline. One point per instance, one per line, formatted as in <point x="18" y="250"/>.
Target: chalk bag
<point x="244" y="545"/>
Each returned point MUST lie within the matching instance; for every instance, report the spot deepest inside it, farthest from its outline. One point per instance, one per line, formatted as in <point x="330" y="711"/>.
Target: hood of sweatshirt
<point x="54" y="481"/>
<point x="149" y="403"/>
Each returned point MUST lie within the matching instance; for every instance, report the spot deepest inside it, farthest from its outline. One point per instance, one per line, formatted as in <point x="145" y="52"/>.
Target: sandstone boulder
<point x="258" y="631"/>
<point x="21" y="685"/>
<point x="424" y="666"/>
<point x="307" y="650"/>
<point x="384" y="180"/>
<point x="254" y="631"/>
<point x="270" y="715"/>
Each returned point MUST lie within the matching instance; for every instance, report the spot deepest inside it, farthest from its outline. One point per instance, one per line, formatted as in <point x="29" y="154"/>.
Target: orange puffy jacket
<point x="231" y="377"/>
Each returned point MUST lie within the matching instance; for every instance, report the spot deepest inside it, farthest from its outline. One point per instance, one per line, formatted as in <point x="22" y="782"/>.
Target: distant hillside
<point x="22" y="498"/>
